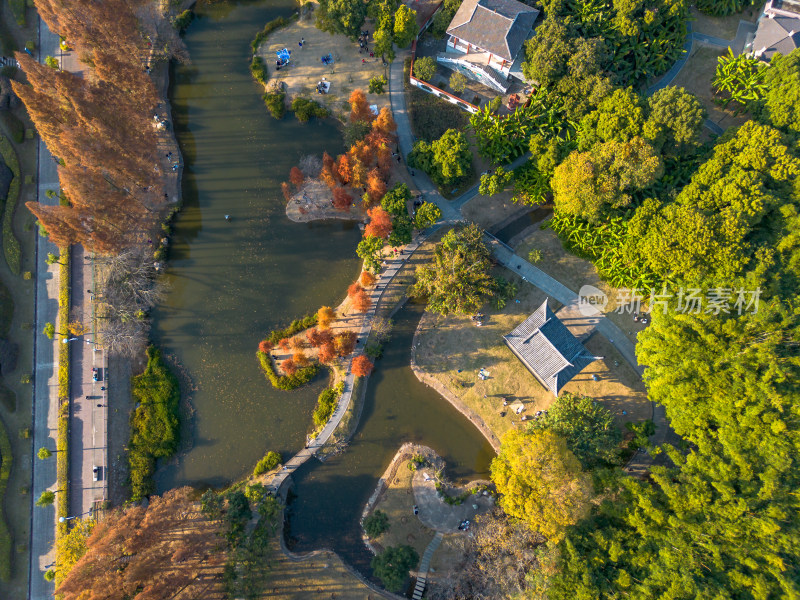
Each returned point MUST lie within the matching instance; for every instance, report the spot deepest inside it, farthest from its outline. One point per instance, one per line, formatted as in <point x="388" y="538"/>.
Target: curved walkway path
<point x="392" y="267"/>
<point x="451" y="213"/>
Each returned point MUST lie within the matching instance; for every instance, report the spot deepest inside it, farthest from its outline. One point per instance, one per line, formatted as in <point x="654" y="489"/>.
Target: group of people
<point x="362" y="42"/>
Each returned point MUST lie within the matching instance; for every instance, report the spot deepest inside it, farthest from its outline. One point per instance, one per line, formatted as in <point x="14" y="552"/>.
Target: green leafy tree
<point x="44" y="453"/>
<point x="49" y="330"/>
<point x="341" y="16"/>
<point x="458" y="82"/>
<point x="405" y="26"/>
<point x="377" y="85"/>
<point x="395" y="200"/>
<point x="721" y="8"/>
<point x="739" y="79"/>
<point x="383" y="44"/>
<point x="393" y="564"/>
<point x="446" y="160"/>
<point x="369" y="250"/>
<point x="458" y="280"/>
<point x="590" y="184"/>
<point x="71" y="547"/>
<point x="424" y="68"/>
<point x="46" y="499"/>
<point x="737" y="216"/>
<point x="442" y="19"/>
<point x="674" y="123"/>
<point x="427" y="215"/>
<point x="781" y="104"/>
<point x="376" y="524"/>
<point x="547" y="52"/>
<point x="541" y="481"/>
<point x="620" y="117"/>
<point x="495" y="182"/>
<point x="586" y="426"/>
<point x="401" y="230"/>
<point x="270" y="460"/>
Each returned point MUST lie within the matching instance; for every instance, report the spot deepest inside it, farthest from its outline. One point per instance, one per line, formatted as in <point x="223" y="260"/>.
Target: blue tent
<point x="284" y="56"/>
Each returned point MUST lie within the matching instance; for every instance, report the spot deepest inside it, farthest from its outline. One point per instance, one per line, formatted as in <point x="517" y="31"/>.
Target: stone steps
<point x="425" y="564"/>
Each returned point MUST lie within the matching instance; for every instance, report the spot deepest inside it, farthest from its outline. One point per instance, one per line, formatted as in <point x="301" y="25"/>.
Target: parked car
<point x="95" y="473"/>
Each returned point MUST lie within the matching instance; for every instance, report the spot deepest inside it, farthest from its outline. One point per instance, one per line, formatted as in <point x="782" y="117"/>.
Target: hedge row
<point x="286" y="382"/>
<point x="269" y="28"/>
<point x="5" y="534"/>
<point x="326" y="404"/>
<point x="18" y="8"/>
<point x="294" y="327"/>
<point x="62" y="440"/>
<point x="258" y="69"/>
<point x="11" y="246"/>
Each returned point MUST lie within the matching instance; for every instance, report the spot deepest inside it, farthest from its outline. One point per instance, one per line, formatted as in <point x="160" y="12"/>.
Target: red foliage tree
<point x="341" y="199"/>
<point x="326" y="353"/>
<point x="360" y="301"/>
<point x="385" y="162"/>
<point x="284" y="344"/>
<point x="359" y="107"/>
<point x="345" y="343"/>
<point x="288" y="366"/>
<point x="317" y="337"/>
<point x="287" y="191"/>
<point x="264" y="346"/>
<point x="296" y="343"/>
<point x="376" y="186"/>
<point x="353" y="289"/>
<point x="296" y="177"/>
<point x="380" y="223"/>
<point x="327" y="161"/>
<point x="362" y="366"/>
<point x="366" y="279"/>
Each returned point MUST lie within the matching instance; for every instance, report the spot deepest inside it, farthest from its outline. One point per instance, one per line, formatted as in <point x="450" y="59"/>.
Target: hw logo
<point x="591" y="301"/>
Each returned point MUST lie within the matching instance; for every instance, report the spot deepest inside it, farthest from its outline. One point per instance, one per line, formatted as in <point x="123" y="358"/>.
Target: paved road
<point x="45" y="376"/>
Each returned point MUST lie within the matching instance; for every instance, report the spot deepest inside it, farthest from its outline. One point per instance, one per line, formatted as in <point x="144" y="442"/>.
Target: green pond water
<point x="232" y="281"/>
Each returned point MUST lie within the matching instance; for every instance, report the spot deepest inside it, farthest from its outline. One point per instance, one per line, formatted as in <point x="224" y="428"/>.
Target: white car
<point x="95" y="473"/>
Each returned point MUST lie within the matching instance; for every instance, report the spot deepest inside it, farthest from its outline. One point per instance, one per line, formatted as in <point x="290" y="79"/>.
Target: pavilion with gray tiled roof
<point x="776" y="35"/>
<point x="548" y="349"/>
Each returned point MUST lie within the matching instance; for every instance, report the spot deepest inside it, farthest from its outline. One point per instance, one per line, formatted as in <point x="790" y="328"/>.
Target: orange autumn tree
<point x="366" y="279"/>
<point x="284" y="344"/>
<point x="384" y="122"/>
<point x="380" y="223"/>
<point x="361" y="366"/>
<point x="376" y="186"/>
<point x="360" y="301"/>
<point x="300" y="358"/>
<point x="288" y="366"/>
<point x="353" y="289"/>
<point x="343" y="169"/>
<point x="344" y="343"/>
<point x="265" y="346"/>
<point x="326" y="353"/>
<point x="359" y="107"/>
<point x="324" y="317"/>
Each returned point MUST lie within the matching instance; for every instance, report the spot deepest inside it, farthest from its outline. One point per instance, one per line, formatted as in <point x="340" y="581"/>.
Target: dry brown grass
<point x="487" y="211"/>
<point x="397" y="501"/>
<point x="453" y="350"/>
<point x="321" y="576"/>
<point x="721" y="27"/>
<point x="306" y="69"/>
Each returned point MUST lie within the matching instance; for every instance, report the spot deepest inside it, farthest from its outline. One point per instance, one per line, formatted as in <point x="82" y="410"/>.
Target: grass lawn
<point x="696" y="78"/>
<point x="321" y="576"/>
<point x="453" y="350"/>
<point x="721" y="27"/>
<point x="487" y="211"/>
<point x="397" y="501"/>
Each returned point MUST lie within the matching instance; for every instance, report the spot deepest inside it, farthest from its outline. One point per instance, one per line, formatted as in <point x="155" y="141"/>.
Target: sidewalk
<point x="45" y="376"/>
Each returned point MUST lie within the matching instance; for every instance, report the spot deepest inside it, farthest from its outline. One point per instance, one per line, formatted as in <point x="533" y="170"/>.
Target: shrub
<point x="304" y="109"/>
<point x="183" y="20"/>
<point x="392" y="566"/>
<point x="5" y="534"/>
<point x="49" y="330"/>
<point x="424" y="68"/>
<point x="18" y="9"/>
<point x="377" y="85"/>
<point x="269" y="28"/>
<point x="270" y="461"/>
<point x="44" y="453"/>
<point x="46" y="499"/>
<point x="62" y="438"/>
<point x="376" y="524"/>
<point x="294" y="327"/>
<point x="258" y="69"/>
<point x="51" y="62"/>
<point x="458" y="82"/>
<point x="287" y="382"/>
<point x="326" y="404"/>
<point x="275" y="103"/>
<point x="535" y="256"/>
<point x="154" y="423"/>
<point x="11" y="246"/>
